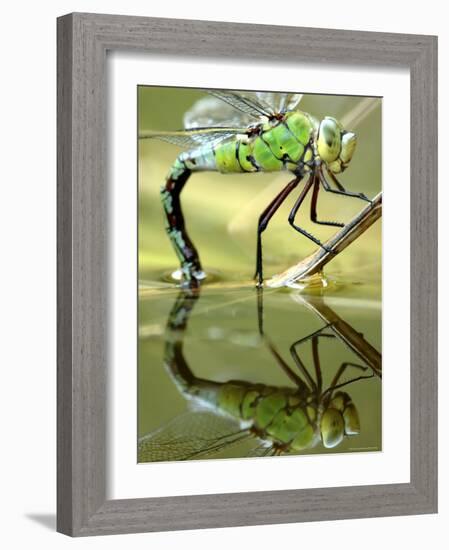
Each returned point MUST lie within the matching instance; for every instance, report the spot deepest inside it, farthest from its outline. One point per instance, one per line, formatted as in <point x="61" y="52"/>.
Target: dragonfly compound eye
<point x="343" y="403"/>
<point x="329" y="140"/>
<point x="352" y="422"/>
<point x="348" y="143"/>
<point x="332" y="428"/>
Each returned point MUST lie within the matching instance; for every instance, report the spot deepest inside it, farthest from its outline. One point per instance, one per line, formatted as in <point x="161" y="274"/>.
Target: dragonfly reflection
<point x="277" y="420"/>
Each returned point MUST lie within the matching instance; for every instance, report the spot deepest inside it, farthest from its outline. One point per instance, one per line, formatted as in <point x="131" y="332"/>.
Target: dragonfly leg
<point x="302" y="368"/>
<point x="260" y="314"/>
<point x="274" y="352"/>
<point x="285" y="367"/>
<point x="264" y="219"/>
<point x="299" y="363"/>
<point x="313" y="212"/>
<point x="334" y="384"/>
<point x="319" y="332"/>
<point x="317" y="363"/>
<point x="340" y="189"/>
<point x="175" y="225"/>
<point x="292" y="215"/>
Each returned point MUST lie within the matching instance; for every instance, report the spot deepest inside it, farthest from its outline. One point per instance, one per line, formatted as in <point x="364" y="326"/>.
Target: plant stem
<point x="344" y="331"/>
<point x="338" y="242"/>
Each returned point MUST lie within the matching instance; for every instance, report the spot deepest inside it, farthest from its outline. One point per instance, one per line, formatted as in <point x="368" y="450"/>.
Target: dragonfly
<point x="248" y="132"/>
<point x="275" y="420"/>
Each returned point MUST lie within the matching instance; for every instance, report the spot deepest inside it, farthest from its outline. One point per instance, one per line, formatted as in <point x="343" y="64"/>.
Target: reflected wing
<point x="261" y="450"/>
<point x="194" y="434"/>
<point x="194" y="137"/>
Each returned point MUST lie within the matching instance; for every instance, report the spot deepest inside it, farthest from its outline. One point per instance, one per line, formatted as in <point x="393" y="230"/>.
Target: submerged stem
<point x="344" y="331"/>
<point x="338" y="242"/>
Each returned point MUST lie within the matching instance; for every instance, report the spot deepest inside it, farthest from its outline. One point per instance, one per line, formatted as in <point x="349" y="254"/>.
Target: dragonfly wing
<point x="195" y="136"/>
<point x="279" y="102"/>
<point x="191" y="435"/>
<point x="211" y="111"/>
<point x="261" y="450"/>
<point x="231" y="109"/>
<point x="243" y="102"/>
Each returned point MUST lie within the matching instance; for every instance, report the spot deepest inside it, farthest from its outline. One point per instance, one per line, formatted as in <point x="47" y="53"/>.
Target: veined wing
<point x="244" y="103"/>
<point x="227" y="109"/>
<point x="279" y="102"/>
<point x="261" y="450"/>
<point x="191" y="435"/>
<point x="195" y="136"/>
<point x="211" y="111"/>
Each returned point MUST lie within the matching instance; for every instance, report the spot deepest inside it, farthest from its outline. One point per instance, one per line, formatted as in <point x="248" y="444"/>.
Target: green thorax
<point x="283" y="415"/>
<point x="276" y="145"/>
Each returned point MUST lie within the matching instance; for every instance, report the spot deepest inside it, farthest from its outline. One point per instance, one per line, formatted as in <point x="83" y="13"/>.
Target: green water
<point x="222" y="340"/>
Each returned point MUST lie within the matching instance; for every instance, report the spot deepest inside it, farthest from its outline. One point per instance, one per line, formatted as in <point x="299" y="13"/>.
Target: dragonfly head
<point x="339" y="419"/>
<point x="335" y="145"/>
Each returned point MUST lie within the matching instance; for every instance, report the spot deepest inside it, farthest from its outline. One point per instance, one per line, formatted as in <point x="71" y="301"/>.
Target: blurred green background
<point x="221" y="212"/>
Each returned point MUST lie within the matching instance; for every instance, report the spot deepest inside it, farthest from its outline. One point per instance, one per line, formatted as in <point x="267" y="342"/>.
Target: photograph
<point x="259" y="274"/>
<point x="231" y="289"/>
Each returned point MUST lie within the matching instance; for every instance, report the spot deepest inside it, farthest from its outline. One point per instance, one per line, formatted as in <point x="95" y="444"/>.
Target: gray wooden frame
<point x="83" y="40"/>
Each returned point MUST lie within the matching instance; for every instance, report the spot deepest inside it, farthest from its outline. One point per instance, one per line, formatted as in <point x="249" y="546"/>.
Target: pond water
<point x="219" y="340"/>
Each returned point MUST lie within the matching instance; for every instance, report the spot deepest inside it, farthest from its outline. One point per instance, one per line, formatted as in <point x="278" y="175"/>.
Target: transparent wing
<point x="278" y="101"/>
<point x="261" y="450"/>
<point x="211" y="111"/>
<point x="245" y="103"/>
<point x="194" y="434"/>
<point x="224" y="108"/>
<point x="194" y="137"/>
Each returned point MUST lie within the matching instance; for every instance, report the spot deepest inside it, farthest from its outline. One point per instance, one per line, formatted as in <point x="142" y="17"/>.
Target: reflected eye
<point x="352" y="422"/>
<point x="332" y="428"/>
<point x="329" y="139"/>
<point x="342" y="402"/>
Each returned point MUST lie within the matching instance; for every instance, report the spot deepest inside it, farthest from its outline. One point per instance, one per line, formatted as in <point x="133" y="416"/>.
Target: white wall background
<point x="28" y="237"/>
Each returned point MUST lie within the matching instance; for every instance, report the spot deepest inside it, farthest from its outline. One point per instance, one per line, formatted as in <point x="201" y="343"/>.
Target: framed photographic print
<point x="246" y="328"/>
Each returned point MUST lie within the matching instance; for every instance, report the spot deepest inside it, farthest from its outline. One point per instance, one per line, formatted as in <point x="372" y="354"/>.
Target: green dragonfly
<point x="274" y="420"/>
<point x="250" y="132"/>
